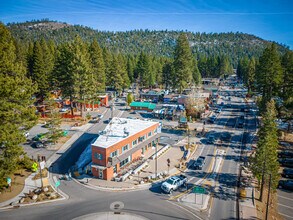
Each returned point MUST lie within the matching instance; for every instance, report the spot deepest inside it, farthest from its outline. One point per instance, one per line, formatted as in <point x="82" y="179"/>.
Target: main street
<point x="150" y="203"/>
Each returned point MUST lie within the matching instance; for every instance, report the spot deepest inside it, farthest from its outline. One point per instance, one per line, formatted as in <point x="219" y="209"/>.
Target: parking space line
<point x="283" y="197"/>
<point x="288" y="216"/>
<point x="289" y="207"/>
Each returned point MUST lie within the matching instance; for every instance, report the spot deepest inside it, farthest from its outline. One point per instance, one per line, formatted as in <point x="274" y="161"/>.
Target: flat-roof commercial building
<point x="122" y="141"/>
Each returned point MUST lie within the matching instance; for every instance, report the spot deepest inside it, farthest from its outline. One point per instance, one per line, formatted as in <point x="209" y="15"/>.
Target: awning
<point x="99" y="167"/>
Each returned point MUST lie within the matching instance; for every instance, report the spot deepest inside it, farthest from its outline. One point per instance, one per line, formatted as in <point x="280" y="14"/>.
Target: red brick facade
<point x="108" y="173"/>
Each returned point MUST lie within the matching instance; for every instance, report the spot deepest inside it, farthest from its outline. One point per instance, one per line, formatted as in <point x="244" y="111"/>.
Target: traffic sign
<point x="42" y="164"/>
<point x="8" y="179"/>
<point x="34" y="167"/>
<point x="199" y="190"/>
<point x="57" y="183"/>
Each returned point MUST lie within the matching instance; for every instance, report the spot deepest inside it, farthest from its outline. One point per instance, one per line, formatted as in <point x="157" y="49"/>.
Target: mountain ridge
<point x="160" y="43"/>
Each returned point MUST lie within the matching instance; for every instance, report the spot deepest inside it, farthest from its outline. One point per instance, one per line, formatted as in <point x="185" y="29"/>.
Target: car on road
<point x="198" y="164"/>
<point x="211" y="139"/>
<point x="288" y="173"/>
<point x="173" y="183"/>
<point x="286" y="184"/>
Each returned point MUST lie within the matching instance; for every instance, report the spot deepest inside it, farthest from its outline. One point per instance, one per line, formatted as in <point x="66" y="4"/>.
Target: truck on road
<point x="173" y="183"/>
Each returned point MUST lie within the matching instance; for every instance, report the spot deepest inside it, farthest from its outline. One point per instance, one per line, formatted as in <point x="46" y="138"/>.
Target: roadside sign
<point x="8" y="179"/>
<point x="199" y="190"/>
<point x="57" y="183"/>
<point x="42" y="164"/>
<point x="34" y="167"/>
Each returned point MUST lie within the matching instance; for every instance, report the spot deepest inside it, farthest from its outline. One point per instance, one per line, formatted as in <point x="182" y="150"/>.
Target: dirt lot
<point x="261" y="206"/>
<point x="17" y="185"/>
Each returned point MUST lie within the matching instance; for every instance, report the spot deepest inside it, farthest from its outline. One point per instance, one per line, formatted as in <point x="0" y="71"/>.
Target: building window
<point x="125" y="148"/>
<point x="98" y="156"/>
<point x="125" y="161"/>
<point x="141" y="139"/>
<point x="115" y="169"/>
<point x="155" y="131"/>
<point x="150" y="134"/>
<point x="114" y="153"/>
<point x="134" y="143"/>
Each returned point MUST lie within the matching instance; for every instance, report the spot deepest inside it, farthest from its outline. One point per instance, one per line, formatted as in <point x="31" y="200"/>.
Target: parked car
<point x="26" y="134"/>
<point x="288" y="173"/>
<point x="198" y="164"/>
<point x="286" y="162"/>
<point x="285" y="154"/>
<point x="212" y="119"/>
<point x="286" y="184"/>
<point x="64" y="109"/>
<point x="38" y="144"/>
<point x="173" y="183"/>
<point x="218" y="110"/>
<point x="39" y="137"/>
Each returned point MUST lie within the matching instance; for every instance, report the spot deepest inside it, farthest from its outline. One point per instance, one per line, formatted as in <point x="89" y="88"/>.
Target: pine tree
<point x="63" y="77"/>
<point x="269" y="74"/>
<point x="16" y="113"/>
<point x="287" y="84"/>
<point x="83" y="80"/>
<point x="168" y="75"/>
<point x="196" y="76"/>
<point x="251" y="75"/>
<point x="107" y="61"/>
<point x="122" y="69"/>
<point x="115" y="78"/>
<point x="39" y="73"/>
<point x="265" y="160"/>
<point x="97" y="65"/>
<point x="182" y="63"/>
<point x="143" y="70"/>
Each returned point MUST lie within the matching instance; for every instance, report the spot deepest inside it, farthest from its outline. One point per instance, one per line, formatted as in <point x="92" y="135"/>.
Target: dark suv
<point x="198" y="164"/>
<point x="286" y="184"/>
<point x="285" y="154"/>
<point x="288" y="173"/>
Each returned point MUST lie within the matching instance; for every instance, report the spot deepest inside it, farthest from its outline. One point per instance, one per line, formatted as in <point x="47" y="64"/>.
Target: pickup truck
<point x="173" y="183"/>
<point x="198" y="164"/>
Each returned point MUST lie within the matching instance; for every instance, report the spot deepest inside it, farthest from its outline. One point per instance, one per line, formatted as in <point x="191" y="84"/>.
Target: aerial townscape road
<point x="151" y="202"/>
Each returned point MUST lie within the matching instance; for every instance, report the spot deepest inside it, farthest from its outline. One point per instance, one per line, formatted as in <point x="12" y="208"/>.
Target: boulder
<point x="34" y="197"/>
<point x="21" y="200"/>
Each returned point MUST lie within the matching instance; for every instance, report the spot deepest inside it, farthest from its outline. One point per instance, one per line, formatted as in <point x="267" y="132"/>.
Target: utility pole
<point x="268" y="201"/>
<point x="156" y="164"/>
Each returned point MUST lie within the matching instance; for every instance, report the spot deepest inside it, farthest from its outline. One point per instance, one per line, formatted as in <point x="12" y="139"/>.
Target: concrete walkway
<point x="30" y="185"/>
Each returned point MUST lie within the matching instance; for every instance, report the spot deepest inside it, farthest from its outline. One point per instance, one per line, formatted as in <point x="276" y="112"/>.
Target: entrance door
<point x="100" y="174"/>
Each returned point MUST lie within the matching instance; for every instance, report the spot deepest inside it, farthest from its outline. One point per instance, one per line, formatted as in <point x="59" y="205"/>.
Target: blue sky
<point x="268" y="19"/>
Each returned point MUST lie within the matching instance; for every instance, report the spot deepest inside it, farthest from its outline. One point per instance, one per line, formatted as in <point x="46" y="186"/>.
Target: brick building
<point x="122" y="141"/>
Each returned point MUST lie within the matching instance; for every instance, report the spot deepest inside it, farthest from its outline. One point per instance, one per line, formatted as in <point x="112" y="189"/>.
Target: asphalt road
<point x="150" y="203"/>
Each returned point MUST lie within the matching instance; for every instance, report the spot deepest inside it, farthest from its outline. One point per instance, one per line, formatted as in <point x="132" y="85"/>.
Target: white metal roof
<point x="119" y="129"/>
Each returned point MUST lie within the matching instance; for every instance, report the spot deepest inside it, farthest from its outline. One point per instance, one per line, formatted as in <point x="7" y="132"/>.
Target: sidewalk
<point x="30" y="185"/>
<point x="247" y="209"/>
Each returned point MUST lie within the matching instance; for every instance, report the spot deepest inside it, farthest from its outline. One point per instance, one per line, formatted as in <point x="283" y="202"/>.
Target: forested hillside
<point x="157" y="43"/>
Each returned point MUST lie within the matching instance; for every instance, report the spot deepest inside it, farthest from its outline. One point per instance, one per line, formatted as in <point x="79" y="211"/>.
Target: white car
<point x="26" y="134"/>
